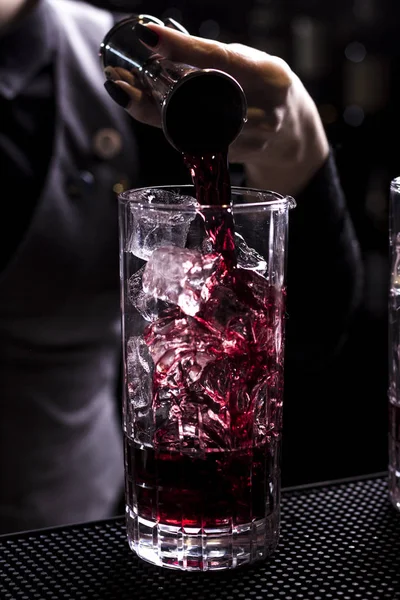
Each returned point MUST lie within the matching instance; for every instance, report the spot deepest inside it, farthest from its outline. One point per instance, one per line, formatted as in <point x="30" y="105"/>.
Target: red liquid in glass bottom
<point x="220" y="489"/>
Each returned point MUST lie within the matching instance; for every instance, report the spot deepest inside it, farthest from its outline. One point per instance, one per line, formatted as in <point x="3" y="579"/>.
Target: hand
<point x="283" y="142"/>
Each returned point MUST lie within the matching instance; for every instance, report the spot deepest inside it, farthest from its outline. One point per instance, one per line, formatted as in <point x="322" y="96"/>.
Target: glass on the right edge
<point x="394" y="345"/>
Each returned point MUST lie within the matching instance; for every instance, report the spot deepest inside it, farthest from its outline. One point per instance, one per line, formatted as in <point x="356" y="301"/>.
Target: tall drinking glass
<point x="203" y="368"/>
<point x="394" y="345"/>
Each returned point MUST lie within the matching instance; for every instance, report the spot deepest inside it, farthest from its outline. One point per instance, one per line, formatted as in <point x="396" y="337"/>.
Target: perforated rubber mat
<point x="338" y="542"/>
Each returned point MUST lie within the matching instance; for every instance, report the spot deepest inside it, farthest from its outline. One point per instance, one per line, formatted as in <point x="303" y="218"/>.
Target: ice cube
<point x="154" y="227"/>
<point x="180" y="345"/>
<point x="147" y="306"/>
<point x="179" y="276"/>
<point x="139" y="373"/>
<point x="248" y="258"/>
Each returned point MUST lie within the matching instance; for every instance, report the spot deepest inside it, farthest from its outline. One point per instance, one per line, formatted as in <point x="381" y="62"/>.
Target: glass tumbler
<point x="394" y="345"/>
<point x="203" y="349"/>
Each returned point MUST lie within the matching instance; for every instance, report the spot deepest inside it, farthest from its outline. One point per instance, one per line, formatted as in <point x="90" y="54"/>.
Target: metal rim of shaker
<point x="192" y="75"/>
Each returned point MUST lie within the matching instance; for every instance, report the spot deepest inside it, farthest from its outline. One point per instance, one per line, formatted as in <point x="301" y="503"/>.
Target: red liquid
<point x="218" y="489"/>
<point x="217" y="390"/>
<point x="210" y="176"/>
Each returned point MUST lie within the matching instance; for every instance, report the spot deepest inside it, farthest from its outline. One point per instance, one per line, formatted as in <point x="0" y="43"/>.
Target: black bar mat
<point x="338" y="542"/>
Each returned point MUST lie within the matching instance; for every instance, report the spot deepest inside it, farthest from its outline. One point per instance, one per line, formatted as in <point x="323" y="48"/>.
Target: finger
<point x="238" y="60"/>
<point x="110" y="73"/>
<point x="276" y="72"/>
<point x="261" y="120"/>
<point x="169" y="22"/>
<point x="140" y="106"/>
<point x="119" y="73"/>
<point x="251" y="141"/>
<point x="125" y="75"/>
<point x="267" y="121"/>
<point x="180" y="47"/>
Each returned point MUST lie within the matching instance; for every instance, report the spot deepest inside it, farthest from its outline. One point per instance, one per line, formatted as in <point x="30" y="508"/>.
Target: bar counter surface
<point x="339" y="541"/>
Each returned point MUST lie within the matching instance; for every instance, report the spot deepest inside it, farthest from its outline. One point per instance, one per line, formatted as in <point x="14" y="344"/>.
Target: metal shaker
<point x="202" y="110"/>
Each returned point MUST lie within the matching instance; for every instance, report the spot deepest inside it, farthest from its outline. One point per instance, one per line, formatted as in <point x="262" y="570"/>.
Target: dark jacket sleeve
<point x="324" y="273"/>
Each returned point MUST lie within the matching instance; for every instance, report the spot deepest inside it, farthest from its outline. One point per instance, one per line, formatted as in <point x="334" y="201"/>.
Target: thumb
<point x="183" y="48"/>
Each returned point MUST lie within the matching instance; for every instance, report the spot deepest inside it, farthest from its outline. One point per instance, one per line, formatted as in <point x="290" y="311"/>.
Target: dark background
<point x="347" y="54"/>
